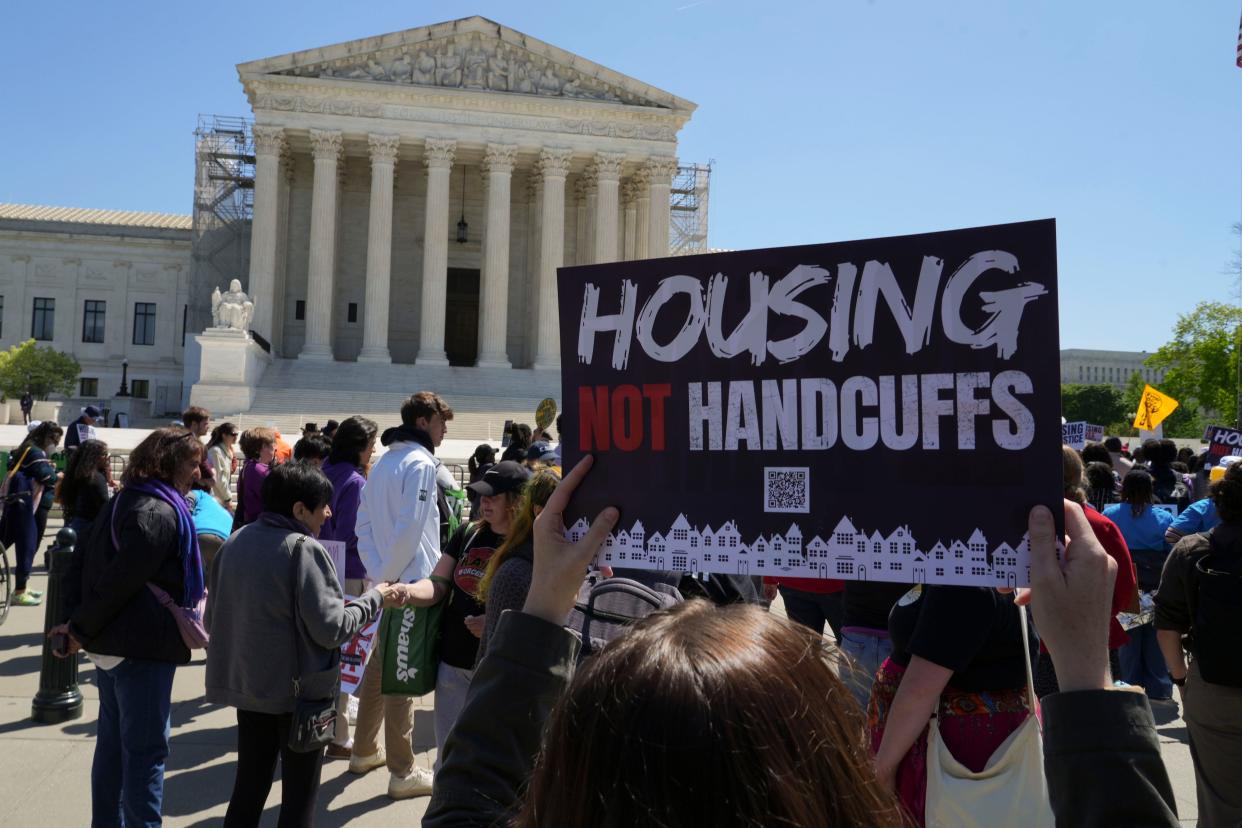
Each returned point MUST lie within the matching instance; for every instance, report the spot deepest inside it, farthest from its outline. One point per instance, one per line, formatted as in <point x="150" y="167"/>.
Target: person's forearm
<point x="424" y="593"/>
<point x="914" y="704"/>
<point x="1174" y="656"/>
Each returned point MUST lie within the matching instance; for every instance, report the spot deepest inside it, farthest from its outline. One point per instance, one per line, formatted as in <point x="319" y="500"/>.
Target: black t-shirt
<point x="973" y="631"/>
<point x="458" y="646"/>
<point x="90" y="498"/>
<point x="867" y="603"/>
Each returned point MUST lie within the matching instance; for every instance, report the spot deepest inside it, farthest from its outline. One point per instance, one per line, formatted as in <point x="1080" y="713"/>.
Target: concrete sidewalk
<point x="45" y="770"/>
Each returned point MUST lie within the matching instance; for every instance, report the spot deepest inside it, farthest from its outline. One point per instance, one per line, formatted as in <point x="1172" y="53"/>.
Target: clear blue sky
<point x="826" y="121"/>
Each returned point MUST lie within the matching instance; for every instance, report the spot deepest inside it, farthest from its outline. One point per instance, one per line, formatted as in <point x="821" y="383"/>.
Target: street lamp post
<point x="124" y="392"/>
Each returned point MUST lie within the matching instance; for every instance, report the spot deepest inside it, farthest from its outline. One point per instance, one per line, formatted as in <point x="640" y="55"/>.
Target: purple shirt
<point x="347" y="485"/>
<point x="252" y="476"/>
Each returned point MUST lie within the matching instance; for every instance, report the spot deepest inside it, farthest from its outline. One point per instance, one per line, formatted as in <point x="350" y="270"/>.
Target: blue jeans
<point x="127" y="777"/>
<point x="1142" y="663"/>
<point x="865" y="655"/>
<point x="813" y="609"/>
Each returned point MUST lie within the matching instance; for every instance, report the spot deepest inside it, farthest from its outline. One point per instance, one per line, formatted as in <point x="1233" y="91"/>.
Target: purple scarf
<point x="187" y="537"/>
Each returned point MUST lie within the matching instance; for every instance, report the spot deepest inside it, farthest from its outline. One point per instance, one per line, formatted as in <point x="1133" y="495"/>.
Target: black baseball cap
<point x="541" y="451"/>
<point x="500" y="478"/>
<point x="92" y="412"/>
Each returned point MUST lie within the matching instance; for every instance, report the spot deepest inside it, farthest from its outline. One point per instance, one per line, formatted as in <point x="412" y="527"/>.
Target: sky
<point x="824" y="121"/>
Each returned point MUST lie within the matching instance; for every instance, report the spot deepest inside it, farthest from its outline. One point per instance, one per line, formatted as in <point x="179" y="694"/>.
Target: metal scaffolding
<point x="688" y="210"/>
<point x="223" y="208"/>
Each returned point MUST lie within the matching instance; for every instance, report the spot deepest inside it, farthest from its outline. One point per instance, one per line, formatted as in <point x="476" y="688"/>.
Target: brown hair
<point x="1226" y="493"/>
<point x="424" y="404"/>
<point x="708" y="716"/>
<point x="195" y="414"/>
<point x="1071" y="475"/>
<point x="535" y="492"/>
<point x="254" y="439"/>
<point x="161" y="453"/>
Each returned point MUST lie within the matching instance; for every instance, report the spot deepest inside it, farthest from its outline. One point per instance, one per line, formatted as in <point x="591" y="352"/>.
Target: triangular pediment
<point x="473" y="54"/>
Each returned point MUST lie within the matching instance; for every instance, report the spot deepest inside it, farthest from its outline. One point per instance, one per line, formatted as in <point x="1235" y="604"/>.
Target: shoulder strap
<point x="17" y="466"/>
<point x="293" y="602"/>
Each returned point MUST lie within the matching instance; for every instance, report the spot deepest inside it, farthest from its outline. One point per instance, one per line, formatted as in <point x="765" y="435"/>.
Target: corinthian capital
<point x="326" y="144"/>
<point x="661" y="169"/>
<point x="630" y="191"/>
<point x="554" y="162"/>
<point x="383" y="148"/>
<point x="269" y="140"/>
<point x="439" y="152"/>
<point x="608" y="165"/>
<point x="500" y="158"/>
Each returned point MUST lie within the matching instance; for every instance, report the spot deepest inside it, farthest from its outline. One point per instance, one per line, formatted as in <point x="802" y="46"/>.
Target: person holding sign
<point x="83" y="428"/>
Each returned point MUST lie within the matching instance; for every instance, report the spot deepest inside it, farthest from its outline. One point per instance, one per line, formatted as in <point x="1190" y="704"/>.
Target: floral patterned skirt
<point x="972" y="727"/>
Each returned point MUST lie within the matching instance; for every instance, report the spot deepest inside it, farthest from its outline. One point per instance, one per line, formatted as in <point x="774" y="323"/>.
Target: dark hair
<point x="195" y="414"/>
<point x="254" y="439"/>
<point x="351" y="439"/>
<point x="310" y="428"/>
<point x="1101" y="485"/>
<point x="1186" y="454"/>
<point x="699" y="700"/>
<point x="424" y="404"/>
<point x="291" y="483"/>
<point x="161" y="453"/>
<point x="1095" y="452"/>
<point x="220" y="432"/>
<point x="1112" y="443"/>
<point x="313" y="446"/>
<point x="1159" y="453"/>
<point x="1136" y="489"/>
<point x="519" y="435"/>
<point x="1179" y="467"/>
<point x="45" y="433"/>
<point x="80" y="468"/>
<point x="483" y="455"/>
<point x="330" y="427"/>
<point x="1226" y="493"/>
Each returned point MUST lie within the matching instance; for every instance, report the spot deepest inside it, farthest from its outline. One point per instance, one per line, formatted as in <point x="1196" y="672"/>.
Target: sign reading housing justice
<point x="886" y="409"/>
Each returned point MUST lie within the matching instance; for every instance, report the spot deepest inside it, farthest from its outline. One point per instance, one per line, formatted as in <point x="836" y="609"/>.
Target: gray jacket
<point x="268" y="605"/>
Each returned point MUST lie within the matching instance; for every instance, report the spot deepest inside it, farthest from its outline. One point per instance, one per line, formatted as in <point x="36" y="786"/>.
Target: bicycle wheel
<point x="6" y="585"/>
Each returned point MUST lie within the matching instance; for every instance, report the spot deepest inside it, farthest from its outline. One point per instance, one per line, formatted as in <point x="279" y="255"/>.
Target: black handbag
<point x="314" y="710"/>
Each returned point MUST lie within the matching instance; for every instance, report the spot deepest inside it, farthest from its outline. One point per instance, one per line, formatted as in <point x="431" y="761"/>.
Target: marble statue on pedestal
<point x="232" y="309"/>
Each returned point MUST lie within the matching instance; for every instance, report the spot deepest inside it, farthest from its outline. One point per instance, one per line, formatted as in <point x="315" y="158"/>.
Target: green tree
<point x="44" y="370"/>
<point x="1201" y="366"/>
<point x="1099" y="404"/>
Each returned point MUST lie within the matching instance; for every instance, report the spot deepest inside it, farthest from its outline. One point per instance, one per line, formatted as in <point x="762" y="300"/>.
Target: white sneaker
<point x="365" y="764"/>
<point x="418" y="783"/>
<point x="351" y="710"/>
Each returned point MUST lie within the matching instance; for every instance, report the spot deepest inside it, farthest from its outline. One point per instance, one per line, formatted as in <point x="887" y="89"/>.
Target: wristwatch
<point x="1180" y="682"/>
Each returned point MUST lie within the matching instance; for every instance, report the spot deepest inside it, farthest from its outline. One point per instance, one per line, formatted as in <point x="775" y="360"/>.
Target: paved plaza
<point x="45" y="769"/>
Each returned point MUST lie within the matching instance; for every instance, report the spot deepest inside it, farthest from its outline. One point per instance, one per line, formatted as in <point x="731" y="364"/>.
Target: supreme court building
<point x="415" y="193"/>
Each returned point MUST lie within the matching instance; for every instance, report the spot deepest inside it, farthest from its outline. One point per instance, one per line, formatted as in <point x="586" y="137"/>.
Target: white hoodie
<point x="398" y="521"/>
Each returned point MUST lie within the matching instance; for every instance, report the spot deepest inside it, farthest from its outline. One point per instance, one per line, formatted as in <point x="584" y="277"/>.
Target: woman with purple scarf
<point x="112" y="613"/>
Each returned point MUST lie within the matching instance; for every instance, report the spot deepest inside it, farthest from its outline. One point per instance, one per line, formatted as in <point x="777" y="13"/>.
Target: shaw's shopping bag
<point x="411" y="649"/>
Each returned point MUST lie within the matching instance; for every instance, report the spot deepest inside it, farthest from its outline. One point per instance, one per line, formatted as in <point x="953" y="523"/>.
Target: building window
<point x="44" y="319"/>
<point x="93" y="320"/>
<point x="299" y="310"/>
<point x="144" y="324"/>
<point x="352" y="312"/>
<point x="88" y="387"/>
<point x="140" y="389"/>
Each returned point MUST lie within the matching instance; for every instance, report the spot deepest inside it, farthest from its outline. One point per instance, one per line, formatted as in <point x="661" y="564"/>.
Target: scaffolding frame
<point x="688" y="200"/>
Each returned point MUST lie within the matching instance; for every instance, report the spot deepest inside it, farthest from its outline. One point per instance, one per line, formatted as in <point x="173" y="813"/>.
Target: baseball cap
<point x="500" y="478"/>
<point x="541" y="451"/>
<point x="93" y="412"/>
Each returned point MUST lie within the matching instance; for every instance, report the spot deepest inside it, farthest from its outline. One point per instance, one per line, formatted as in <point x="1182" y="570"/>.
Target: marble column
<point x="438" y="154"/>
<point x="643" y="218"/>
<point x="582" y="202"/>
<point x="269" y="141"/>
<point x="326" y="149"/>
<point x="660" y="171"/>
<point x="553" y="166"/>
<point x="494" y="295"/>
<point x="608" y="182"/>
<point x="384" y="150"/>
<point x="629" y="198"/>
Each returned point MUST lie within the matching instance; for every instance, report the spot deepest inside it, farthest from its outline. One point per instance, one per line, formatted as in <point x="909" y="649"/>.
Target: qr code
<point x="787" y="490"/>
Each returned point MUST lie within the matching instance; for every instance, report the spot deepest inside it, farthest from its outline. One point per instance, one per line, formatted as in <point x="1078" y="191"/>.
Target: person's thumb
<point x="600" y="527"/>
<point x="1045" y="570"/>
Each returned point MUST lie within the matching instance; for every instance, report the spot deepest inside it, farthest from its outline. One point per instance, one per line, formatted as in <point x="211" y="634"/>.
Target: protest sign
<point x="1153" y="408"/>
<point x="886" y="409"/>
<point x="86" y="432"/>
<point x="336" y="551"/>
<point x="354" y="654"/>
<point x="1094" y="433"/>
<point x="1074" y="434"/>
<point x="1222" y="442"/>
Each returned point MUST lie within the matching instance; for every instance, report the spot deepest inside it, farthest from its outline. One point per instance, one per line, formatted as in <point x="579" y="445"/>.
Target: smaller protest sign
<point x="354" y="655"/>
<point x="1222" y="442"/>
<point x="85" y="433"/>
<point x="1095" y="433"/>
<point x="336" y="551"/>
<point x="1074" y="434"/>
<point x="1153" y="408"/>
<point x="545" y="414"/>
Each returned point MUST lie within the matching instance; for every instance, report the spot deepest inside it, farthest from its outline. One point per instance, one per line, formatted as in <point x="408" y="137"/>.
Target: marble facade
<point x="370" y="153"/>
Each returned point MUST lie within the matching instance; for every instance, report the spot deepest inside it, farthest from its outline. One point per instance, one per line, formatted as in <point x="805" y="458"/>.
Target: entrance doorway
<point x="461" y="316"/>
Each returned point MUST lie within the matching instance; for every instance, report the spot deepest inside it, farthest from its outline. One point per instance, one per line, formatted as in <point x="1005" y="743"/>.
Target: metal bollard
<point x="59" y="698"/>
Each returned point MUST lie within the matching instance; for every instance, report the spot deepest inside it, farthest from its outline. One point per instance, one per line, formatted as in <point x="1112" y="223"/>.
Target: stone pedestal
<point x="230" y="368"/>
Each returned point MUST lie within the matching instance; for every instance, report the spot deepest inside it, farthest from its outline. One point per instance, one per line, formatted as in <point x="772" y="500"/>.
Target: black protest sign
<point x="1222" y="442"/>
<point x="886" y="409"/>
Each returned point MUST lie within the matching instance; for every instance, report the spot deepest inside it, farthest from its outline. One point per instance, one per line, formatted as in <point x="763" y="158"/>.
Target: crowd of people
<point x="715" y="711"/>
